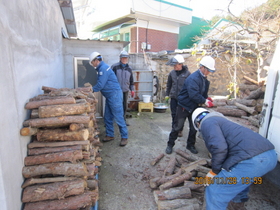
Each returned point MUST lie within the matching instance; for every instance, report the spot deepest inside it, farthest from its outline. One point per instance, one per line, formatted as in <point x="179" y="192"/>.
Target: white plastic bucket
<point x="146" y="98"/>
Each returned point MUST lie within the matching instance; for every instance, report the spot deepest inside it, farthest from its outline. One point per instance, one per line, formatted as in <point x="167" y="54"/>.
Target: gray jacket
<point x="175" y="82"/>
<point x="124" y="76"/>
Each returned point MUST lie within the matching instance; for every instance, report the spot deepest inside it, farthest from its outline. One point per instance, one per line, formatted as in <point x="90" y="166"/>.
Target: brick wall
<point x="159" y="40"/>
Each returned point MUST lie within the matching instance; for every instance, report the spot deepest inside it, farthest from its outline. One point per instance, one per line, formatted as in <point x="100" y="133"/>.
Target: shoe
<point x="108" y="138"/>
<point x="127" y="124"/>
<point x="192" y="149"/>
<point x="236" y="206"/>
<point x="123" y="142"/>
<point x="180" y="134"/>
<point x="168" y="150"/>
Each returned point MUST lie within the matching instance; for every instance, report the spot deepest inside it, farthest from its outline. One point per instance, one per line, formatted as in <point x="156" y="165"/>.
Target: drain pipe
<point x="95" y="207"/>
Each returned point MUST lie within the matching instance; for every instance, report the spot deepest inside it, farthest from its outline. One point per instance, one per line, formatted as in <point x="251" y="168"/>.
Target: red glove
<point x="208" y="103"/>
<point x="210" y="99"/>
<point x="132" y="93"/>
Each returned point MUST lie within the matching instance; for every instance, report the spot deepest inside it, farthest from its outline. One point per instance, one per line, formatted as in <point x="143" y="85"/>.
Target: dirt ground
<point x="125" y="172"/>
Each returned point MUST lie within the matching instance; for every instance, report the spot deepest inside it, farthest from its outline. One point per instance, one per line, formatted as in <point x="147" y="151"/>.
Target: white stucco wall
<point x="30" y="57"/>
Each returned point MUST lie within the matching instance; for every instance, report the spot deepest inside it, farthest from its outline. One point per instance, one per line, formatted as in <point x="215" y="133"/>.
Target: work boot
<point x="180" y="134"/>
<point x="192" y="149"/>
<point x="168" y="150"/>
<point x="123" y="142"/>
<point x="236" y="206"/>
<point x="108" y="138"/>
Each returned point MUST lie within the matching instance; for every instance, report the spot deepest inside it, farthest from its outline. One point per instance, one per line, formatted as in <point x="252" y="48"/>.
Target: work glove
<point x="132" y="94"/>
<point x="208" y="103"/>
<point x="209" y="178"/>
<point x="210" y="99"/>
<point x="166" y="99"/>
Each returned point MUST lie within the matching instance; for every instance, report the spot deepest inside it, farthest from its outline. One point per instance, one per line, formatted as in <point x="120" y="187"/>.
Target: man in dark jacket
<point x="240" y="157"/>
<point x="175" y="82"/>
<point x="125" y="78"/>
<point x="108" y="85"/>
<point x="193" y="94"/>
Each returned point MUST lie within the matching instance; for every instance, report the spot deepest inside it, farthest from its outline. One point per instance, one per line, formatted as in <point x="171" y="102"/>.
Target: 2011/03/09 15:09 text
<point x="227" y="180"/>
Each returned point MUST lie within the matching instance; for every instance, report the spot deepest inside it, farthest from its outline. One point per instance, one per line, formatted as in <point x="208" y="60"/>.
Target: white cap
<point x="208" y="62"/>
<point x="198" y="115"/>
<point x="176" y="59"/>
<point x="93" y="56"/>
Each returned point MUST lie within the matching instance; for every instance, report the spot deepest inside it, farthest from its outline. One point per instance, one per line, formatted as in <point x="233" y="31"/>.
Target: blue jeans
<point x="218" y="196"/>
<point x="114" y="111"/>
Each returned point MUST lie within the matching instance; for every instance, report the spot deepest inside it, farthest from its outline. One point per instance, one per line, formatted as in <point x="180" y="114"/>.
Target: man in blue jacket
<point x="108" y="85"/>
<point x="193" y="94"/>
<point x="175" y="82"/>
<point x="240" y="157"/>
<point x="125" y="78"/>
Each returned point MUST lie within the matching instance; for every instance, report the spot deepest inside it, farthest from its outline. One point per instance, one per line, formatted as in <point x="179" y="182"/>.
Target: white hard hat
<point x="197" y="115"/>
<point x="208" y="62"/>
<point x="93" y="56"/>
<point x="124" y="54"/>
<point x="176" y="59"/>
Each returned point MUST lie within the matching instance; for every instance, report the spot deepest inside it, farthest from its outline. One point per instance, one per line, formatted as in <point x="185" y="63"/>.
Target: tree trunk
<point x="39" y="151"/>
<point x="157" y="159"/>
<point x="67" y="156"/>
<point x="243" y="87"/>
<point x="75" y="126"/>
<point x="251" y="80"/>
<point x="72" y="202"/>
<point x="192" y="166"/>
<point x="172" y="193"/>
<point x="170" y="166"/>
<point x="186" y="155"/>
<point x="37" y="144"/>
<point x="187" y="204"/>
<point x="50" y="101"/>
<point x="33" y="181"/>
<point x="48" y="89"/>
<point x="52" y="191"/>
<point x="245" y="108"/>
<point x="34" y="114"/>
<point x="174" y="182"/>
<point x="255" y="94"/>
<point x="54" y="122"/>
<point x="155" y="182"/>
<point x="249" y="102"/>
<point x="92" y="184"/>
<point x="28" y="131"/>
<point x="62" y="135"/>
<point x="194" y="186"/>
<point x="202" y="169"/>
<point x="66" y="169"/>
<point x="63" y="109"/>
<point x="231" y="111"/>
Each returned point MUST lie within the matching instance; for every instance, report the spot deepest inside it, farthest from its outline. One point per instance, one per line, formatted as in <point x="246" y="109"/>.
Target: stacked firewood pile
<point x="248" y="105"/>
<point x="61" y="167"/>
<point x="181" y="185"/>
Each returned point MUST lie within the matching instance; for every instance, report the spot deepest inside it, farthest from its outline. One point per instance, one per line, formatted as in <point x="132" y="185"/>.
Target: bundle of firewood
<point x="247" y="106"/>
<point x="61" y="166"/>
<point x="181" y="185"/>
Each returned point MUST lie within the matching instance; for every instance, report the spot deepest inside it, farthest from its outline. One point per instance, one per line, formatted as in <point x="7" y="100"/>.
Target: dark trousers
<point x="181" y="115"/>
<point x="125" y="97"/>
<point x="173" y="109"/>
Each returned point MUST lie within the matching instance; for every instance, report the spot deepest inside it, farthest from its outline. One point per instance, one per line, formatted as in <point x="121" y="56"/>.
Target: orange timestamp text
<point x="227" y="180"/>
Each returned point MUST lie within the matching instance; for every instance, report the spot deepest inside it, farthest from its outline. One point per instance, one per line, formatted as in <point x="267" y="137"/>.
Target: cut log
<point x="68" y="92"/>
<point x="63" y="109"/>
<point x="33" y="181"/>
<point x="58" y="190"/>
<point x="245" y="108"/>
<point x="259" y="105"/>
<point x="243" y="87"/>
<point x="47" y="89"/>
<point x="255" y="94"/>
<point x="186" y="155"/>
<point x="170" y="166"/>
<point x="202" y="169"/>
<point x="192" y="166"/>
<point x="157" y="159"/>
<point x="45" y="102"/>
<point x="91" y="168"/>
<point x="231" y="111"/>
<point x="34" y="114"/>
<point x="92" y="184"/>
<point x="67" y="156"/>
<point x="62" y="135"/>
<point x="193" y="185"/>
<point x="37" y="144"/>
<point x="249" y="102"/>
<point x="187" y="204"/>
<point x="39" y="151"/>
<point x="53" y="122"/>
<point x="28" y="131"/>
<point x="75" y="126"/>
<point x="252" y="120"/>
<point x="251" y="80"/>
<point x="66" y="169"/>
<point x="172" y="193"/>
<point x="176" y="181"/>
<point x="155" y="182"/>
<point x="71" y="202"/>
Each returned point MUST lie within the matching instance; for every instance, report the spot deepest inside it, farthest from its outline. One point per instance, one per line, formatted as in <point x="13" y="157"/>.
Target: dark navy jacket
<point x="175" y="82"/>
<point x="124" y="76"/>
<point x="194" y="91"/>
<point x="107" y="80"/>
<point x="230" y="143"/>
